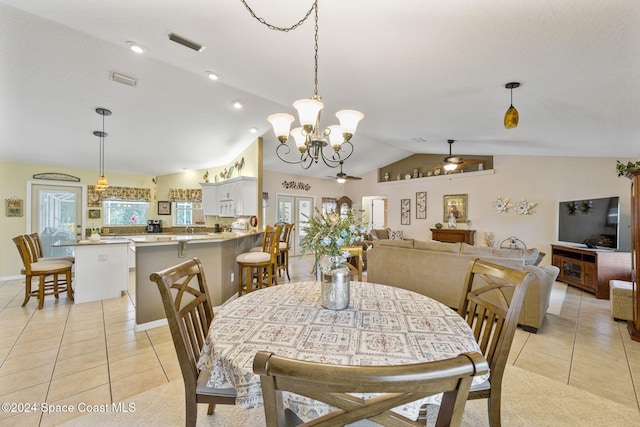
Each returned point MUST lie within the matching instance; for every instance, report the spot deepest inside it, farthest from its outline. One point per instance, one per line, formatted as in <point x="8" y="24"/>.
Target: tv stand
<point x="591" y="269"/>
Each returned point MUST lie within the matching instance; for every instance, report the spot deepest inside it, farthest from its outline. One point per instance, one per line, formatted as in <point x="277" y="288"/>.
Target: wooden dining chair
<point x="260" y="265"/>
<point x="54" y="277"/>
<point x="186" y="302"/>
<point x="491" y="305"/>
<point x="397" y="385"/>
<point x="355" y="252"/>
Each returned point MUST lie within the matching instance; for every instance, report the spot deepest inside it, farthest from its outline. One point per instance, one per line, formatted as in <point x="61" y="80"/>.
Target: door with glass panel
<point x="296" y="210"/>
<point x="56" y="215"/>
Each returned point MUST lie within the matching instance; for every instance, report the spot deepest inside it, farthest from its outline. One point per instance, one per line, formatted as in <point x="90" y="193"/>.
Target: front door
<point x="296" y="210"/>
<point x="56" y="215"/>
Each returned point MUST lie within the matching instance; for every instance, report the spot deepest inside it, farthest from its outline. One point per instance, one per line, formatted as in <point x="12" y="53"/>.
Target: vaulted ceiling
<point x="421" y="71"/>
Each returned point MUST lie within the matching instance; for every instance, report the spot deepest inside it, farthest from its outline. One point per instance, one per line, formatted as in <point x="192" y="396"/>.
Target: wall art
<point x="405" y="211"/>
<point x="13" y="207"/>
<point x="455" y="205"/>
<point x="421" y="205"/>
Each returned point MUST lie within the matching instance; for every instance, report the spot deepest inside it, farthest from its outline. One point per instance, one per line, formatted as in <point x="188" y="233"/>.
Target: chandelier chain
<point x="276" y="28"/>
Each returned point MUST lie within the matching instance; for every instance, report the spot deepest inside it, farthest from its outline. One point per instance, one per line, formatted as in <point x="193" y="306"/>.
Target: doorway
<point x="296" y="210"/>
<point x="55" y="212"/>
<point x="376" y="210"/>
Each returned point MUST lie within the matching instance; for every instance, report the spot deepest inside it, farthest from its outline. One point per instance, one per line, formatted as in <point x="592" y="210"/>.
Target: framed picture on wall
<point x="93" y="213"/>
<point x="456" y="205"/>
<point x="405" y="211"/>
<point x="164" y="208"/>
<point x="421" y="205"/>
<point x="13" y="207"/>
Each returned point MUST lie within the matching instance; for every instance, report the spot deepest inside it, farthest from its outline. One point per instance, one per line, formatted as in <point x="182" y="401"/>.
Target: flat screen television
<point x="590" y="222"/>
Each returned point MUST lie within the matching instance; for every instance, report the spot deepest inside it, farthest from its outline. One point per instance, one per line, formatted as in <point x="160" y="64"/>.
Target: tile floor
<point x="65" y="354"/>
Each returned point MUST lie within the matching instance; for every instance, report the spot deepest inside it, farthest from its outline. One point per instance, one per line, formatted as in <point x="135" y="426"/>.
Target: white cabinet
<point x="210" y="199"/>
<point x="234" y="197"/>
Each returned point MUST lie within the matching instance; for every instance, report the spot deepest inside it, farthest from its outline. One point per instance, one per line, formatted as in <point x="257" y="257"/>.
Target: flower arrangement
<point x="327" y="233"/>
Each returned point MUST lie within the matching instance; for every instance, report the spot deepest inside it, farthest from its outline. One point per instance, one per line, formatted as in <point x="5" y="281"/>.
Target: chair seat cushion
<point x="57" y="259"/>
<point x="43" y="267"/>
<point x="251" y="257"/>
<point x="201" y="387"/>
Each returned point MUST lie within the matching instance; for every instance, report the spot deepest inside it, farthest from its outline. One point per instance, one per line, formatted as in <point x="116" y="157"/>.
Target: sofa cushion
<point x="530" y="256"/>
<point x="396" y="234"/>
<point x="434" y="245"/>
<point x="380" y="234"/>
<point x="396" y="243"/>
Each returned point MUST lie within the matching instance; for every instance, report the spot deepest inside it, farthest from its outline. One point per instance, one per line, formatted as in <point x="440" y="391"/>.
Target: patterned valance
<point x="117" y="193"/>
<point x="185" y="194"/>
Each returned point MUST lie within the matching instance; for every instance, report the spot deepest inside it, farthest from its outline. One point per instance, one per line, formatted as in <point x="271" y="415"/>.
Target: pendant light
<point x="511" y="117"/>
<point x="103" y="182"/>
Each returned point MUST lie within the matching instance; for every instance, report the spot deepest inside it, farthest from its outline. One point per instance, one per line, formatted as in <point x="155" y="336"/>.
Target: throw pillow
<point x="396" y="235"/>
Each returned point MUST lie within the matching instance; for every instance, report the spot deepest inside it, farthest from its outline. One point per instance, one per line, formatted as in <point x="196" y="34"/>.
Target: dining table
<point x="383" y="325"/>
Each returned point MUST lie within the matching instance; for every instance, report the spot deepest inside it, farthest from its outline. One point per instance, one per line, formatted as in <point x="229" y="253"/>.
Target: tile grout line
<point x="575" y="337"/>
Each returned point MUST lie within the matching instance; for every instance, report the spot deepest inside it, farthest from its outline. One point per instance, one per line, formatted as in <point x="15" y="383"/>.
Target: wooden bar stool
<point x="48" y="272"/>
<point x="284" y="245"/>
<point x="263" y="262"/>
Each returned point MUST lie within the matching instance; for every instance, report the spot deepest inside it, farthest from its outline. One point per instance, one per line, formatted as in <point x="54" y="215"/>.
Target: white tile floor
<point x="69" y="353"/>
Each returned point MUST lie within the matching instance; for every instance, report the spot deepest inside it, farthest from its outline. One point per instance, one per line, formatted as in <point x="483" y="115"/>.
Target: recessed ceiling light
<point x="136" y="47"/>
<point x="237" y="105"/>
<point x="253" y="130"/>
<point x="212" y="75"/>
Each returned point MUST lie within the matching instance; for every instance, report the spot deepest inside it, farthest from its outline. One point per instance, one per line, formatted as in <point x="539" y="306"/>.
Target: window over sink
<point x="125" y="212"/>
<point x="188" y="213"/>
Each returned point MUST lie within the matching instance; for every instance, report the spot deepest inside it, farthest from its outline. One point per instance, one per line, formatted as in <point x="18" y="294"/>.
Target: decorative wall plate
<point x="56" y="176"/>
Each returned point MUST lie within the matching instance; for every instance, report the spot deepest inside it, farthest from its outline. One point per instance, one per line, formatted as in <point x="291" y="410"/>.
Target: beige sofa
<point x="438" y="269"/>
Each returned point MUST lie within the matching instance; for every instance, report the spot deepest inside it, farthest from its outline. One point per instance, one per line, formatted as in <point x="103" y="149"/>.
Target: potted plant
<point x="623" y="168"/>
<point x="438" y="226"/>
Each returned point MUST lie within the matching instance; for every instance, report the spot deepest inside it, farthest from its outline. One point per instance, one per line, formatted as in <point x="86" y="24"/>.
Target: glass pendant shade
<point x="281" y="123"/>
<point x="102" y="183"/>
<point x="511" y="118"/>
<point x="308" y="110"/>
<point x="349" y="120"/>
<point x="299" y="138"/>
<point x="335" y="136"/>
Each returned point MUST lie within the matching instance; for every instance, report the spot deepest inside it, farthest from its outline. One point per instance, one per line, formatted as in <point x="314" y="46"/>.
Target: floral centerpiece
<point x="327" y="234"/>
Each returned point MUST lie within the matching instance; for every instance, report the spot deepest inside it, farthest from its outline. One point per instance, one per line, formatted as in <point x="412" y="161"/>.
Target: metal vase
<point x="335" y="286"/>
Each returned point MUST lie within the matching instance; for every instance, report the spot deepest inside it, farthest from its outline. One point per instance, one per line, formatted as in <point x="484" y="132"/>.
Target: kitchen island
<point x="101" y="269"/>
<point x="216" y="251"/>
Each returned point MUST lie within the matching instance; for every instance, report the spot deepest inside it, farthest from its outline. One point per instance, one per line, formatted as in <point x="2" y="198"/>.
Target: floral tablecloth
<point x="382" y="326"/>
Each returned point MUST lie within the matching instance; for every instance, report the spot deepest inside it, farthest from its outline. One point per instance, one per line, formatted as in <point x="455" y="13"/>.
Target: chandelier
<point x="310" y="139"/>
<point x="103" y="182"/>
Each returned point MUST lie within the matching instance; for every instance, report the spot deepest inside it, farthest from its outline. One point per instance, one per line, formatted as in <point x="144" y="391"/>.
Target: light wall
<point x="543" y="180"/>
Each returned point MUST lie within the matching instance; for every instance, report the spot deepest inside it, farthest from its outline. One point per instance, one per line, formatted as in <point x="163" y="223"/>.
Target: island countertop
<point x="154" y="239"/>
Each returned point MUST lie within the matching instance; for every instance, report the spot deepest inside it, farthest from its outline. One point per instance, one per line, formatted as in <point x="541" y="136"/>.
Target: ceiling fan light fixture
<point x="341" y="180"/>
<point x="511" y="117"/>
<point x="450" y="167"/>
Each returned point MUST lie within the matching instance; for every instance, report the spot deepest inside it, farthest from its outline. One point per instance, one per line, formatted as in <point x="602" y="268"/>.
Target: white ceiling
<point x="418" y="69"/>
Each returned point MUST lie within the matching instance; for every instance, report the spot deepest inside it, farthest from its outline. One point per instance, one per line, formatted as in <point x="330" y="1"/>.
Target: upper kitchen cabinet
<point x="233" y="197"/>
<point x="210" y="199"/>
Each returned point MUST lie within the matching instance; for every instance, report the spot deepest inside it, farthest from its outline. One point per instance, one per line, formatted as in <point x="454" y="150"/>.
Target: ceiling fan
<point x="342" y="177"/>
<point x="453" y="163"/>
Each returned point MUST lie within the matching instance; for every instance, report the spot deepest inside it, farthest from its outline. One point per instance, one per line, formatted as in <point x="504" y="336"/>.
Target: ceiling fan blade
<point x="352" y="177"/>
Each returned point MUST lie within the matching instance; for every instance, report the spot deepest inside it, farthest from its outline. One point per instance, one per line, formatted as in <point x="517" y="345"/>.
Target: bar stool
<point x="43" y="270"/>
<point x="35" y="244"/>
<point x="284" y="246"/>
<point x="263" y="262"/>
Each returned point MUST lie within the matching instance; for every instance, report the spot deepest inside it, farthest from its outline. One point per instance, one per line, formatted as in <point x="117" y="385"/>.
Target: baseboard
<point x="150" y="325"/>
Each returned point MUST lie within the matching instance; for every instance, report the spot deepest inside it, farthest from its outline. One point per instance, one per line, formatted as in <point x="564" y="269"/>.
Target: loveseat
<point x="438" y="269"/>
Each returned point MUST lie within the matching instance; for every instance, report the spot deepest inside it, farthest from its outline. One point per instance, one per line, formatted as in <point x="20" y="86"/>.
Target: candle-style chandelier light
<point x="310" y="138"/>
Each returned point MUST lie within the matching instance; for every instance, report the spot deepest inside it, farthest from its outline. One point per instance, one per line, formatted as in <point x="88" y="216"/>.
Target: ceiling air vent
<point x="126" y="80"/>
<point x="186" y="42"/>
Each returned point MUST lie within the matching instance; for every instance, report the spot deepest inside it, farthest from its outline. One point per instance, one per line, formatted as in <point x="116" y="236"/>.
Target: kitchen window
<point x="124" y="212"/>
<point x="188" y="213"/>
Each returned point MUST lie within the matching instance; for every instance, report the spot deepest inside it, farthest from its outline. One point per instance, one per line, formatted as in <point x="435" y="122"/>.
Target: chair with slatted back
<point x="284" y="246"/>
<point x="260" y="265"/>
<point x="35" y="243"/>
<point x="54" y="277"/>
<point x="397" y="385"/>
<point x="186" y="301"/>
<point x="491" y="305"/>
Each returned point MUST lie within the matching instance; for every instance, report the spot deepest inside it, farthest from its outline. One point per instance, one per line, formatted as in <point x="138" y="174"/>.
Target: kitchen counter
<point x="216" y="251"/>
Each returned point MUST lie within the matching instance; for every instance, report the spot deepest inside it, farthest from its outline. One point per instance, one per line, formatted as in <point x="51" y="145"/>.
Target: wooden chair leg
<point x="211" y="409"/>
<point x="493" y="406"/>
<point x="69" y="288"/>
<point x="240" y="279"/>
<point x="56" y="289"/>
<point x="286" y="264"/>
<point x="41" y="292"/>
<point x="27" y="290"/>
<point x="191" y="409"/>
